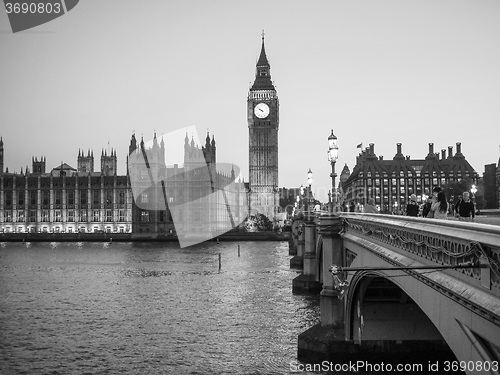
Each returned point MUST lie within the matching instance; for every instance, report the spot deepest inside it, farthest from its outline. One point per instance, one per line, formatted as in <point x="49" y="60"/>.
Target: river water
<point x="149" y="308"/>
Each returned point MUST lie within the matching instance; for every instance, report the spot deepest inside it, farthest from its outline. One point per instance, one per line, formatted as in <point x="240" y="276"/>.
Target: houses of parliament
<point x="87" y="199"/>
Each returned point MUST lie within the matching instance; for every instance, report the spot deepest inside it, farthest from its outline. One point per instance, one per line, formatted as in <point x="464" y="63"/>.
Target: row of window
<point x="58" y="197"/>
<point x="220" y="213"/>
<point x="403" y="181"/>
<point x="57" y="216"/>
<point x="145" y="216"/>
<point x="418" y="173"/>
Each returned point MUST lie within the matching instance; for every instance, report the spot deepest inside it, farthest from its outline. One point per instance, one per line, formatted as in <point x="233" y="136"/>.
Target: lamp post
<point x="310" y="197"/>
<point x="333" y="155"/>
<point x="473" y="190"/>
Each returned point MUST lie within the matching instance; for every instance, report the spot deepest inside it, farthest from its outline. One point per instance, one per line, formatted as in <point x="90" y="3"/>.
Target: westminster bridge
<point x="402" y="288"/>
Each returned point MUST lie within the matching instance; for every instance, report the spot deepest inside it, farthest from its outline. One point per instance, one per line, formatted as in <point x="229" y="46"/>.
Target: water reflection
<point x="150" y="307"/>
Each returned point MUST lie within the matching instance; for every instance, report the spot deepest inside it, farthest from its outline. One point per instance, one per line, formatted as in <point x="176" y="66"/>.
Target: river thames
<point x="149" y="308"/>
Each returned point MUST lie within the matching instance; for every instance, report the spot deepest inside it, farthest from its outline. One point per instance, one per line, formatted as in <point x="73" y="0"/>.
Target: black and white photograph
<point x="267" y="187"/>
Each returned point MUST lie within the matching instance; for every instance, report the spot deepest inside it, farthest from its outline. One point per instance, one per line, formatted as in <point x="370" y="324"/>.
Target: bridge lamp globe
<point x="333" y="149"/>
<point x="473" y="189"/>
<point x="309" y="182"/>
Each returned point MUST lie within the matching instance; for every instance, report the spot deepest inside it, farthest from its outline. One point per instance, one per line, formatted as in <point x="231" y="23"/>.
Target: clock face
<point x="261" y="110"/>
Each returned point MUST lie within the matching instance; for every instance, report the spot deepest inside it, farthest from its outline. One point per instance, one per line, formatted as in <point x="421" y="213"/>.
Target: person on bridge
<point x="352" y="207"/>
<point x="427" y="207"/>
<point x="412" y="207"/>
<point x="370" y="207"/>
<point x="464" y="208"/>
<point x="440" y="207"/>
<point x="435" y="192"/>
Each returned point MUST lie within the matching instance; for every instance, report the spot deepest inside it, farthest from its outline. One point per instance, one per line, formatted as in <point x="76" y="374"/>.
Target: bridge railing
<point x="434" y="241"/>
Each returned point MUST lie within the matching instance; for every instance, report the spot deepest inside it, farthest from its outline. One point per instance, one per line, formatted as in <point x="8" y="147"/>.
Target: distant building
<point x="391" y="182"/>
<point x="66" y="199"/>
<point x="497" y="179"/>
<point x="288" y="198"/>
<point x="490" y="183"/>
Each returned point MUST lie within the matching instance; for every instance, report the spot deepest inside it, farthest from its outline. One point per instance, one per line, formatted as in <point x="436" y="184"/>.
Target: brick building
<point x="391" y="182"/>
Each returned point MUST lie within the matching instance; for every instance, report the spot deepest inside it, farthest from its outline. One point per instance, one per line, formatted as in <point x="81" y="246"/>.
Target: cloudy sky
<point x="375" y="71"/>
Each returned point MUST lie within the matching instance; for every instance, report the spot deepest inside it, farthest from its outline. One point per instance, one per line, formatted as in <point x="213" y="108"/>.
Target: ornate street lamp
<point x="310" y="182"/>
<point x="473" y="190"/>
<point x="333" y="155"/>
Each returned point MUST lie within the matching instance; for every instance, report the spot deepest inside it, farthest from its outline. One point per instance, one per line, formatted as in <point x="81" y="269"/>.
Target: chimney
<point x="372" y="149"/>
<point x="459" y="148"/>
<point x="443" y="154"/>
<point x="450" y="151"/>
<point x="399" y="155"/>
<point x="431" y="148"/>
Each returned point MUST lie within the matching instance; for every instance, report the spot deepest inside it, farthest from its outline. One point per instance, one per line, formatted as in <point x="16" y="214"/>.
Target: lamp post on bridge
<point x="333" y="154"/>
<point x="310" y="196"/>
<point x="473" y="190"/>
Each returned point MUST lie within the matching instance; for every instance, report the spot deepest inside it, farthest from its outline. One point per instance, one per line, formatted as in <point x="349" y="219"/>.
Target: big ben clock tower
<point x="263" y="124"/>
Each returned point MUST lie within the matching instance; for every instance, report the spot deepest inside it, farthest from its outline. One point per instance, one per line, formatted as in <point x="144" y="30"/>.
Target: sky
<point x="374" y="71"/>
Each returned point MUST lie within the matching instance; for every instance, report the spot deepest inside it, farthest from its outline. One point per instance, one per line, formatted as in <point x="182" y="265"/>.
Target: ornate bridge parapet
<point x="434" y="242"/>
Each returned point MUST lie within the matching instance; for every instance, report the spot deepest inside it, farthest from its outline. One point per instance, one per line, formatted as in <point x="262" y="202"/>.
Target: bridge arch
<point x="377" y="299"/>
<point x="381" y="316"/>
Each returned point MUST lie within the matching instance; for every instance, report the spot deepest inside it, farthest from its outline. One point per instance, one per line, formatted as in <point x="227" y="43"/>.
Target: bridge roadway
<point x="409" y="314"/>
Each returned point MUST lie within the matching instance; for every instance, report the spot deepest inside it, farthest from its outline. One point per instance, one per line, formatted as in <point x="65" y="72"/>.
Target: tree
<point x="258" y="223"/>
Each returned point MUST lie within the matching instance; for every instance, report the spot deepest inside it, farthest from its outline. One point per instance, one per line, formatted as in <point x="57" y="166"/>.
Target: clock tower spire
<point x="263" y="124"/>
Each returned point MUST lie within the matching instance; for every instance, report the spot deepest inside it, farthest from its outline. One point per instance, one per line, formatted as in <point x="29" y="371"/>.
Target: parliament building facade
<point x="65" y="199"/>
